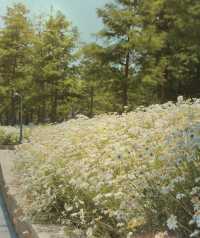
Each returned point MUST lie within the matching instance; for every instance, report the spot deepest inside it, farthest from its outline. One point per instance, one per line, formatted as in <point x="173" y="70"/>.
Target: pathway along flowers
<point x="115" y="175"/>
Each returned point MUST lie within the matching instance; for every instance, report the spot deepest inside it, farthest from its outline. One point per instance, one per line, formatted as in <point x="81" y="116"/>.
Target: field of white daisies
<point x="114" y="176"/>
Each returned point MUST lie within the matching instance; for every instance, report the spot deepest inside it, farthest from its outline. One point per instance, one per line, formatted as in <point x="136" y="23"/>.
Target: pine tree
<point x="119" y="19"/>
<point x="54" y="67"/>
<point x="97" y="80"/>
<point x="15" y="59"/>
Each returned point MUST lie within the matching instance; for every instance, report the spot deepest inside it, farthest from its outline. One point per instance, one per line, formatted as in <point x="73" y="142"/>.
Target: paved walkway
<point x="6" y="228"/>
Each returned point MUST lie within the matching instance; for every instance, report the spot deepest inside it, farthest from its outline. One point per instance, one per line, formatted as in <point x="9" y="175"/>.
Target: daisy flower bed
<point x="116" y="175"/>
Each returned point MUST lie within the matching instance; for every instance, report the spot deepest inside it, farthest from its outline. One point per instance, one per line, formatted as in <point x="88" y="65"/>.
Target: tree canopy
<point x="148" y="52"/>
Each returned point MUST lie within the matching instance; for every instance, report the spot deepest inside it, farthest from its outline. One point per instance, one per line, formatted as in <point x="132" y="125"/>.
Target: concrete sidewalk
<point x="6" y="227"/>
<point x="10" y="189"/>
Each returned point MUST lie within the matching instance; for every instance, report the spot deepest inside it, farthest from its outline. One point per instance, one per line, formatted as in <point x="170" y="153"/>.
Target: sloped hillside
<point x="116" y="175"/>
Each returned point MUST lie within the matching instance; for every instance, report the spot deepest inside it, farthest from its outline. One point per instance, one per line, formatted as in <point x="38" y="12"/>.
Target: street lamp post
<point x="20" y="116"/>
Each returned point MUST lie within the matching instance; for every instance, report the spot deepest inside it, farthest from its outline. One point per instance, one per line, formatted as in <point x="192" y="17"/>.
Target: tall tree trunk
<point x="91" y="101"/>
<point x="43" y="109"/>
<point x="38" y="114"/>
<point x="41" y="112"/>
<point x="125" y="81"/>
<point x="54" y="106"/>
<point x="27" y="118"/>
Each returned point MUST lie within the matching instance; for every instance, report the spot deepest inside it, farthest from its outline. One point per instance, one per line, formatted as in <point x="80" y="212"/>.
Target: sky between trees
<point x="81" y="13"/>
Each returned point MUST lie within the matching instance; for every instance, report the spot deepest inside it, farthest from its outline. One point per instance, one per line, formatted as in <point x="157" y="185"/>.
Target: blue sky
<point x="81" y="12"/>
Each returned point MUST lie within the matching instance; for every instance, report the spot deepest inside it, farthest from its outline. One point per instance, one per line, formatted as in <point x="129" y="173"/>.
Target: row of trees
<point x="148" y="52"/>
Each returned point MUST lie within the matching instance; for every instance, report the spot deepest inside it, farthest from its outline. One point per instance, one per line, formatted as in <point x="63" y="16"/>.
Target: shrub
<point x="10" y="135"/>
<point x="114" y="175"/>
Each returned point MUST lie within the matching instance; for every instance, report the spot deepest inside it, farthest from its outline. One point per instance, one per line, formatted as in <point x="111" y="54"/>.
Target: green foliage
<point x="97" y="79"/>
<point x="38" y="62"/>
<point x="148" y="52"/>
<point x="8" y="138"/>
<point x="10" y="135"/>
<point x="15" y="59"/>
<point x="54" y="76"/>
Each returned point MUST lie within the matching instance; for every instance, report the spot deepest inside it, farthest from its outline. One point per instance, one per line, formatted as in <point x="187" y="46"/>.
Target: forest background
<point x="147" y="52"/>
